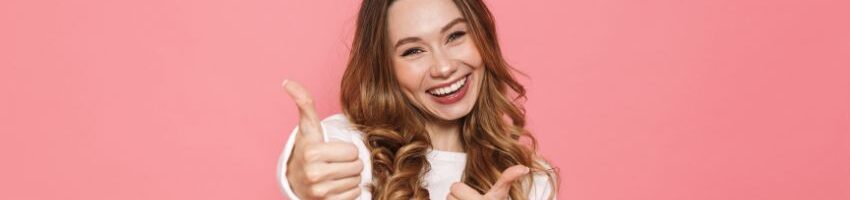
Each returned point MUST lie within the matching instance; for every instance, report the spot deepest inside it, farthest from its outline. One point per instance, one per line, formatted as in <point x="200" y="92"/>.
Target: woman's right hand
<point x="318" y="169"/>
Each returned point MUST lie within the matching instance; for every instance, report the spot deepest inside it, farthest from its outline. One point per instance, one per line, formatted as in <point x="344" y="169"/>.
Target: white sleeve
<point x="542" y="188"/>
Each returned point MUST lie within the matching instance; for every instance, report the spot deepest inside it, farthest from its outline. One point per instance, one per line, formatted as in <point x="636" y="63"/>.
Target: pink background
<point x="656" y="99"/>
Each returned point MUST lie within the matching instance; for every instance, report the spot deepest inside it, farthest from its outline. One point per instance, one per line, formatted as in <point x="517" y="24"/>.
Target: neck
<point x="445" y="135"/>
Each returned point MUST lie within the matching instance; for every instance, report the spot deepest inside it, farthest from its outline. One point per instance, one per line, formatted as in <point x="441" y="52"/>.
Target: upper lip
<point x="448" y="83"/>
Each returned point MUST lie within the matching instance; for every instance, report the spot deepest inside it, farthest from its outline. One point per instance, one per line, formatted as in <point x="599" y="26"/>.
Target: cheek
<point x="468" y="53"/>
<point x="409" y="75"/>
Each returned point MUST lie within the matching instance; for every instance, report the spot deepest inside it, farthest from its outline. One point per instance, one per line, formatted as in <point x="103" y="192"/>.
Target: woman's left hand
<point x="499" y="191"/>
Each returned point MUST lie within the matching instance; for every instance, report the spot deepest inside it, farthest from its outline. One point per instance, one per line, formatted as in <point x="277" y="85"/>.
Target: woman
<point x="429" y="112"/>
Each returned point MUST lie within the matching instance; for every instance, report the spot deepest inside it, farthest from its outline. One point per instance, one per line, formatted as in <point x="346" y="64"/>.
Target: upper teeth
<point x="448" y="89"/>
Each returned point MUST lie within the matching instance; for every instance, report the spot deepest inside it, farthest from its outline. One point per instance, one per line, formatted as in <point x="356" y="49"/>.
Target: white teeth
<point x="448" y="89"/>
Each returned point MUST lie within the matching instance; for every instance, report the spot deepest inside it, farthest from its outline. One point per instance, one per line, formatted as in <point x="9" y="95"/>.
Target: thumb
<point x="503" y="184"/>
<point x="308" y="121"/>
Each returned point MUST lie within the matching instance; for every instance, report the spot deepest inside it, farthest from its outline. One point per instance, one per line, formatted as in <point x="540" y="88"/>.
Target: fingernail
<point x="525" y="170"/>
<point x="284" y="82"/>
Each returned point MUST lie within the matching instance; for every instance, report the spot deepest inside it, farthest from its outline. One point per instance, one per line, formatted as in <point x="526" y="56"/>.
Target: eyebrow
<point x="443" y="30"/>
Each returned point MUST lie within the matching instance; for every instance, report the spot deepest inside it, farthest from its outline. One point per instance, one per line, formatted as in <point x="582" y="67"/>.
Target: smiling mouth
<point x="450" y="89"/>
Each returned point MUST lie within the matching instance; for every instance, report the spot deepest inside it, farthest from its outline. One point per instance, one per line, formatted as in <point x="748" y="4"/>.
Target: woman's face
<point x="435" y="59"/>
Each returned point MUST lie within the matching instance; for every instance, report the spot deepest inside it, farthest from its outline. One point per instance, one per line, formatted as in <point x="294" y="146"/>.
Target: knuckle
<point x="350" y="148"/>
<point x="318" y="192"/>
<point x="350" y="151"/>
<point x="358" y="166"/>
<point x="314" y="176"/>
<point x="312" y="155"/>
<point x="454" y="188"/>
<point x="356" y="193"/>
<point x="304" y="101"/>
<point x="358" y="179"/>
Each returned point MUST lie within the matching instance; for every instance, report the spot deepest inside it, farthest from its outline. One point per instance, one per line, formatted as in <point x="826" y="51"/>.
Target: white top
<point x="446" y="167"/>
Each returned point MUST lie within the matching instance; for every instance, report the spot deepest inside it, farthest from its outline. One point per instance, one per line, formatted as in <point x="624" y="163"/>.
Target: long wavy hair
<point x="394" y="128"/>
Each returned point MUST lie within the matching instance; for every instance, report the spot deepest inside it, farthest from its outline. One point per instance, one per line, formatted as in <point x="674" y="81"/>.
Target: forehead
<point x="416" y="18"/>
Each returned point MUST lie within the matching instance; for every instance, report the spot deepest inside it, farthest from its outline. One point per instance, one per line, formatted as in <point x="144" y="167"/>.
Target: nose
<point x="443" y="66"/>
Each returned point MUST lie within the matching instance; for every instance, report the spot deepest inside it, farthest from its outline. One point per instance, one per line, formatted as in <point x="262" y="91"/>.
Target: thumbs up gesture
<point x="499" y="191"/>
<point x="319" y="169"/>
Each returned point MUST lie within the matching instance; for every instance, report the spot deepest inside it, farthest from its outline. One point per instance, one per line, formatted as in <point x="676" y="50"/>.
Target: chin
<point x="455" y="113"/>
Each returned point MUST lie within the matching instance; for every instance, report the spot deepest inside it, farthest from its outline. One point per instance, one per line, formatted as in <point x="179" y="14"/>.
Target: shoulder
<point x="337" y="120"/>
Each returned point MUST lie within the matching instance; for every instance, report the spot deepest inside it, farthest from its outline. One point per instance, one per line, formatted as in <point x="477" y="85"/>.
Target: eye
<point x="456" y="35"/>
<point x="411" y="51"/>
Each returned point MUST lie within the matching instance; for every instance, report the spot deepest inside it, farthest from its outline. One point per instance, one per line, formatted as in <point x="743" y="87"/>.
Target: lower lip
<point x="457" y="96"/>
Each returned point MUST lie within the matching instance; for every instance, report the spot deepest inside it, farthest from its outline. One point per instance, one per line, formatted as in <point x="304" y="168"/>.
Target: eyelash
<point x="456" y="35"/>
<point x="411" y="51"/>
<point x="452" y="37"/>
